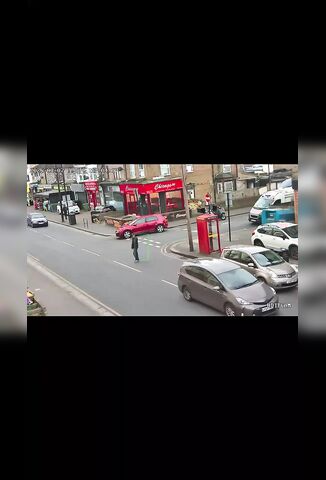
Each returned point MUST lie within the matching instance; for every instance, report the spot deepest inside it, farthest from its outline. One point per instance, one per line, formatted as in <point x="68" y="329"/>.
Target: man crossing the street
<point x="134" y="247"/>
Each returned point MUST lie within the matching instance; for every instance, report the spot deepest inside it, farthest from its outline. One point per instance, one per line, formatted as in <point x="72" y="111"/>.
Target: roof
<point x="214" y="265"/>
<point x="280" y="224"/>
<point x="246" y="248"/>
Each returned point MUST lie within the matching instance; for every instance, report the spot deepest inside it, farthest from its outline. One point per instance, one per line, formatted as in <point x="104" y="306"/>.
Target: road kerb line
<point x="157" y="246"/>
<point x="93" y="253"/>
<point x="165" y="281"/>
<point x="127" y="266"/>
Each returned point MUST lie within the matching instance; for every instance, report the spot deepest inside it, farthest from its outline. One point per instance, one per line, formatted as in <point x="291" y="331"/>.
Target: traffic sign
<point x="208" y="198"/>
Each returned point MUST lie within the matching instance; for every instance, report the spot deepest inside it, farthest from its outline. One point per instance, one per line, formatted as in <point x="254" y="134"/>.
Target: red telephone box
<point x="208" y="234"/>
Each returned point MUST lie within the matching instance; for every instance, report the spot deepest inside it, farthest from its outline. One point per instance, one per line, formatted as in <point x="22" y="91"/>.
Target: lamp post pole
<point x="57" y="170"/>
<point x="185" y="196"/>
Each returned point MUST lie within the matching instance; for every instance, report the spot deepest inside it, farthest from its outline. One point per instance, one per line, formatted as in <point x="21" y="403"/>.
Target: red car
<point x="145" y="224"/>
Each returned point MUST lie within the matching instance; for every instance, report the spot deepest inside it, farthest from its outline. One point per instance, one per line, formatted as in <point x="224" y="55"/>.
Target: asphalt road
<point x="105" y="269"/>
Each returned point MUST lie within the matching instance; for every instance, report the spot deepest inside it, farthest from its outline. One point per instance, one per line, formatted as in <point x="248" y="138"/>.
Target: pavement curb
<point x="84" y="230"/>
<point x="92" y="303"/>
<point x="174" y="250"/>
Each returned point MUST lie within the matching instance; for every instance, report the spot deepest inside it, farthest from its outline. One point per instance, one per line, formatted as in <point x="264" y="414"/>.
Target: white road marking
<point x="93" y="253"/>
<point x="32" y="230"/>
<point x="157" y="242"/>
<point x="66" y="243"/>
<point x="37" y="289"/>
<point x="157" y="246"/>
<point x="49" y="236"/>
<point x="127" y="266"/>
<point x="165" y="281"/>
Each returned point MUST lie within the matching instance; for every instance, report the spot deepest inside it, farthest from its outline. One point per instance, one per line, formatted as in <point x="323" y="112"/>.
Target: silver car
<point x="264" y="264"/>
<point x="226" y="287"/>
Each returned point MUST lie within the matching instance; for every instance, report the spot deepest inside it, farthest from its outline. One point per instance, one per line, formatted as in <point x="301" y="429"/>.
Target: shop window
<point x="174" y="201"/>
<point x="227" y="168"/>
<point x="165" y="169"/>
<point x="220" y="188"/>
<point x="141" y="170"/>
<point x="132" y="171"/>
<point x="250" y="183"/>
<point x="189" y="167"/>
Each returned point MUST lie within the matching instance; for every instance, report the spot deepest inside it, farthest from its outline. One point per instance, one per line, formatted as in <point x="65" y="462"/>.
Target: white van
<point x="281" y="197"/>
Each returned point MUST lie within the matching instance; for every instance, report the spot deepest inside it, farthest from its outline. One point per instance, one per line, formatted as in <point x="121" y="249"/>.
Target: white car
<point x="277" y="235"/>
<point x="73" y="208"/>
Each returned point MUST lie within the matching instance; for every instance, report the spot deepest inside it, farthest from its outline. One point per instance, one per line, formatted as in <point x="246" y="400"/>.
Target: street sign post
<point x="229" y="204"/>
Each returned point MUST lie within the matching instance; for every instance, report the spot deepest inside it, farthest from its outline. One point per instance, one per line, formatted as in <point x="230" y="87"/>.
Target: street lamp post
<point x="57" y="172"/>
<point x="185" y="196"/>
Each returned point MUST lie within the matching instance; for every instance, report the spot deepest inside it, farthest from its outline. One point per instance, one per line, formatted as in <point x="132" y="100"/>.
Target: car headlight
<point x="295" y="267"/>
<point x="242" y="301"/>
<point x="273" y="274"/>
<point x="273" y="290"/>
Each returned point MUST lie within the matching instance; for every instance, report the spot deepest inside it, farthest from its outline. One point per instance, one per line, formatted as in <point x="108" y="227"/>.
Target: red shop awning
<point x="155" y="187"/>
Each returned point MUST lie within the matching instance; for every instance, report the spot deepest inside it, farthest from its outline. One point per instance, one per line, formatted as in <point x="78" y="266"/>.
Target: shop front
<point x="153" y="197"/>
<point x="93" y="194"/>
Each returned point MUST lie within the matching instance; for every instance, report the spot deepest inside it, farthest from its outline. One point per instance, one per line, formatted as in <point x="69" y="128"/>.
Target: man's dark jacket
<point x="134" y="243"/>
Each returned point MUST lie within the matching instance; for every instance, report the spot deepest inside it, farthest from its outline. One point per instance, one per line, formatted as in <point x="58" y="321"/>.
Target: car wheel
<point x="127" y="234"/>
<point x="293" y="251"/>
<point x="186" y="294"/>
<point x="259" y="243"/>
<point x="229" y="310"/>
<point x="262" y="279"/>
<point x="159" y="228"/>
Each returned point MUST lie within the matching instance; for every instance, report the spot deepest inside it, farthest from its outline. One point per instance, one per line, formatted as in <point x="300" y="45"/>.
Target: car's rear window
<point x="291" y="231"/>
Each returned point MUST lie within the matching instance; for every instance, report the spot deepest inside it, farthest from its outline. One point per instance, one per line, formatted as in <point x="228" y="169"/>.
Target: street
<point x="104" y="268"/>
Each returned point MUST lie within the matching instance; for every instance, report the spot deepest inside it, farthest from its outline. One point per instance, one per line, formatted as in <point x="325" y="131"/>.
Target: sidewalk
<point x="108" y="230"/>
<point x="53" y="298"/>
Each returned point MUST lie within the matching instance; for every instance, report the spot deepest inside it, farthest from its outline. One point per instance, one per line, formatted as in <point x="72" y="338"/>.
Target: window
<point x="220" y="188"/>
<point x="190" y="167"/>
<point x="250" y="183"/>
<point x="141" y="170"/>
<point x="235" y="255"/>
<point x="228" y="186"/>
<point x="227" y="168"/>
<point x="196" y="272"/>
<point x="174" y="201"/>
<point x="245" y="258"/>
<point x="265" y="230"/>
<point x="211" y="280"/>
<point x="141" y="221"/>
<point x="191" y="193"/>
<point x="227" y="254"/>
<point x="132" y="171"/>
<point x="151" y="219"/>
<point x="165" y="169"/>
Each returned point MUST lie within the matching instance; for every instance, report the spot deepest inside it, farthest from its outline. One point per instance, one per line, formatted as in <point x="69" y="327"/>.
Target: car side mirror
<point x="250" y="264"/>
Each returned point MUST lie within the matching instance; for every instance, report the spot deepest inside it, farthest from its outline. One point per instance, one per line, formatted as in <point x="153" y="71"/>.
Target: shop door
<point x="131" y="203"/>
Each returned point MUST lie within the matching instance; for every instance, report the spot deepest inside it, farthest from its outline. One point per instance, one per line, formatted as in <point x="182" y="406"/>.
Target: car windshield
<point x="291" y="231"/>
<point x="263" y="202"/>
<point x="37" y="215"/>
<point x="267" y="258"/>
<point x="237" y="278"/>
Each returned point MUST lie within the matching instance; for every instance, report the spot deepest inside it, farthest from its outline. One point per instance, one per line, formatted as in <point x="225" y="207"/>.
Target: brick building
<point x="216" y="179"/>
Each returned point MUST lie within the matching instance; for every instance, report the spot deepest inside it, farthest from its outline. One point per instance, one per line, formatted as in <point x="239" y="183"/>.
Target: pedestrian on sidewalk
<point x="134" y="247"/>
<point x="65" y="212"/>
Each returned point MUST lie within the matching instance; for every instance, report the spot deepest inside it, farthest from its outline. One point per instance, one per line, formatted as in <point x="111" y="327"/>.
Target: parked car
<point x="104" y="209"/>
<point x="72" y="207"/>
<point x="264" y="264"/>
<point x="277" y="235"/>
<point x="144" y="224"/>
<point x="37" y="220"/>
<point x="227" y="287"/>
